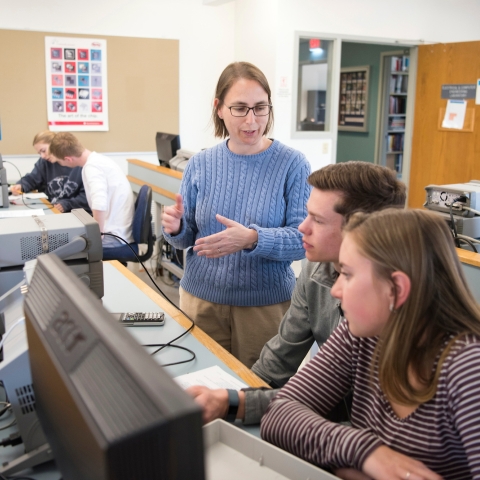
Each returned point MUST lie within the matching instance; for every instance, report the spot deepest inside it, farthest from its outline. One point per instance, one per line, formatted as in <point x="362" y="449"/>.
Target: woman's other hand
<point x="234" y="238"/>
<point x="387" y="464"/>
<point x="172" y="216"/>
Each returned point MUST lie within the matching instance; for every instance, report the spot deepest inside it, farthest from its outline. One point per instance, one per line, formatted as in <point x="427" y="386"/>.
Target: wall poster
<point x="353" y="99"/>
<point x="77" y="98"/>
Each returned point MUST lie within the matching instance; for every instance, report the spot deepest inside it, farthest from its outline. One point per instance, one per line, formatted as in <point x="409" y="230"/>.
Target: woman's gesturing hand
<point x="234" y="238"/>
<point x="172" y="216"/>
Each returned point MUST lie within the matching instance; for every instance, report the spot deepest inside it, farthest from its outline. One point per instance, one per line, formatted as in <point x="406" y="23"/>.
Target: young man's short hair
<point x="363" y="186"/>
<point x="64" y="144"/>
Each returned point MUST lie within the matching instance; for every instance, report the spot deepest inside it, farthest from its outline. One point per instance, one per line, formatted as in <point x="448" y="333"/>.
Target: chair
<point x="141" y="230"/>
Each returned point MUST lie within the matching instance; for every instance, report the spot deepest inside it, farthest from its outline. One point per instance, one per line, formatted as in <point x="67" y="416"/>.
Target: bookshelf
<point x="395" y="74"/>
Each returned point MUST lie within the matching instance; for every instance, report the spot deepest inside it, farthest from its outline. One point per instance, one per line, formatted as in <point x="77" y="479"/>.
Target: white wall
<point x="206" y="35"/>
<point x="260" y="31"/>
<point x="379" y="21"/>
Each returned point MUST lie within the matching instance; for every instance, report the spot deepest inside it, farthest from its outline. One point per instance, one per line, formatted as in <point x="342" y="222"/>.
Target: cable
<point x="189" y="329"/>
<point x="7" y="333"/>
<point x="23" y="194"/>
<point x="476" y="212"/>
<point x="454" y="227"/>
<point x="474" y="240"/>
<point x="469" y="243"/>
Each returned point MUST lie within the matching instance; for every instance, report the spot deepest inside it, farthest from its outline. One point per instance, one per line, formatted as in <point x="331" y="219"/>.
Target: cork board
<point x="143" y="88"/>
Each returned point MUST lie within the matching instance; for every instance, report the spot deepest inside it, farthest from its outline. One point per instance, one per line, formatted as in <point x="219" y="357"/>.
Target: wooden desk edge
<point x="156" y="168"/>
<point x="468" y="257"/>
<point x="160" y="191"/>
<point x="239" y="368"/>
<point x="46" y="202"/>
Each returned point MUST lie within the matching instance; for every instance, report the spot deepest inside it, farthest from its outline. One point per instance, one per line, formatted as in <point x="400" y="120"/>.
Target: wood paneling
<point x="438" y="156"/>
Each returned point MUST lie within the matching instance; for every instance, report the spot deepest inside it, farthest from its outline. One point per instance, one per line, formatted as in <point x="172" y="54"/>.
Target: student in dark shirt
<point x="62" y="185"/>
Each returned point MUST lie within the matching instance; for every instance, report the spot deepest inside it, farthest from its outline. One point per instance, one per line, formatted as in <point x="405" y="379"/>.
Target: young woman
<point x="62" y="185"/>
<point x="239" y="207"/>
<point x="410" y="350"/>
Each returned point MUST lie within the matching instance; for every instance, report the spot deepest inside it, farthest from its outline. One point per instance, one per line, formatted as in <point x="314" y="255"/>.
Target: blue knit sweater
<point x="268" y="192"/>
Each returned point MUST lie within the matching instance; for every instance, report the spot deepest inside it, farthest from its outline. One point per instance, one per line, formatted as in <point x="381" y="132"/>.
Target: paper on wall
<point x="455" y="114"/>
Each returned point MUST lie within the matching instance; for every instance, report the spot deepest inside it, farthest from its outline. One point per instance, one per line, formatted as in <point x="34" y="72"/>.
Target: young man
<point x="108" y="192"/>
<point x="63" y="186"/>
<point x="338" y="191"/>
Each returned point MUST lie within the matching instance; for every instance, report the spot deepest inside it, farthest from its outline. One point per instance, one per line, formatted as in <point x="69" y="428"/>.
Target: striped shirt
<point x="443" y="433"/>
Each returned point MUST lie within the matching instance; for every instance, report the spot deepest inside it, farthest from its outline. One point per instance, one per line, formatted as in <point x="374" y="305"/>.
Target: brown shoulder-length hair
<point x="233" y="72"/>
<point x="363" y="186"/>
<point x="43" y="137"/>
<point x="418" y="243"/>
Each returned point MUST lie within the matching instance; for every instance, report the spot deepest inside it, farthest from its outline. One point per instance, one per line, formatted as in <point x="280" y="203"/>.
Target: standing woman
<point x="239" y="207"/>
<point x="410" y="350"/>
<point x="62" y="185"/>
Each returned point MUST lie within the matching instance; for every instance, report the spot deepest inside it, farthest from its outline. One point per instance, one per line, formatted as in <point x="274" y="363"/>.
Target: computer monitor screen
<point x="108" y="410"/>
<point x="167" y="146"/>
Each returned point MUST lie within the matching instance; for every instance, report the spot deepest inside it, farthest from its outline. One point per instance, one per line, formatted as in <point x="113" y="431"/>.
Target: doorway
<point x="356" y="145"/>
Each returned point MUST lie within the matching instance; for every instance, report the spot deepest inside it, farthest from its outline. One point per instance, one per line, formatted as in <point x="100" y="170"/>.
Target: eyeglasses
<point x="258" y="110"/>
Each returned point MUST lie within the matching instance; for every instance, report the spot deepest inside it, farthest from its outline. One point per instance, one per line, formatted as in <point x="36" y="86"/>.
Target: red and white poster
<point x="77" y="97"/>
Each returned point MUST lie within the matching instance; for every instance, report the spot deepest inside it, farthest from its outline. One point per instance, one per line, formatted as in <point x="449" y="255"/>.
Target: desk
<point x="471" y="268"/>
<point x="125" y="292"/>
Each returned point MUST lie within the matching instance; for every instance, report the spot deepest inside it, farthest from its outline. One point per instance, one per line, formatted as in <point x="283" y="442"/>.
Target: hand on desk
<point x="16" y="189"/>
<point x="59" y="207"/>
<point x="214" y="403"/>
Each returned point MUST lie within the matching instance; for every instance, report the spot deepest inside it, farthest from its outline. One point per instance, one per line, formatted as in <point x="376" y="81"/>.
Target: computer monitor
<point x="167" y="146"/>
<point x="108" y="410"/>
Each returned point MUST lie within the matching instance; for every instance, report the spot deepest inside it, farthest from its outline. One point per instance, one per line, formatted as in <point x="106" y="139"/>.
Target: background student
<point x="410" y="350"/>
<point x="108" y="192"/>
<point x="63" y="186"/>
<point x="239" y="207"/>
<point x="338" y="191"/>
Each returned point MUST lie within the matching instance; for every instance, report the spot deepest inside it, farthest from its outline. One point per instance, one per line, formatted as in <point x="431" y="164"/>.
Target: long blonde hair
<point x="440" y="304"/>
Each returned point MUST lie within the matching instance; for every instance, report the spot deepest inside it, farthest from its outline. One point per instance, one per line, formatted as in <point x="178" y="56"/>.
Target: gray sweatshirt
<point x="312" y="316"/>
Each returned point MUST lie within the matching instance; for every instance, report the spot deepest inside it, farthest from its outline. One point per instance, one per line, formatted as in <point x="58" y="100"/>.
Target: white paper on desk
<point x="35" y="195"/>
<point x="455" y="114"/>
<point x="21" y="213"/>
<point x="212" y="377"/>
<point x="18" y="199"/>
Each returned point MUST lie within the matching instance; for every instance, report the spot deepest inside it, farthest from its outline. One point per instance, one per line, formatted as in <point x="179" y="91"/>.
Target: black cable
<point x="454" y="227"/>
<point x="169" y="344"/>
<point x="469" y="243"/>
<point x="23" y="194"/>
<point x="162" y="345"/>
<point x="12" y="440"/>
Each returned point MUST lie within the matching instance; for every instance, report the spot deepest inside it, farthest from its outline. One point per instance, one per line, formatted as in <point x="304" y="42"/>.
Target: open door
<point x="440" y="156"/>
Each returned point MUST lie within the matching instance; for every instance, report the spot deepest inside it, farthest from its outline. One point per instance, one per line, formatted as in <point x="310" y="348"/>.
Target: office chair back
<point x="141" y="231"/>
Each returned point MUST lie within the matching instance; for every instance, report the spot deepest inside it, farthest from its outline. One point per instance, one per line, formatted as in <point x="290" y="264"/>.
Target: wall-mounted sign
<point x="459" y="92"/>
<point x="77" y="97"/>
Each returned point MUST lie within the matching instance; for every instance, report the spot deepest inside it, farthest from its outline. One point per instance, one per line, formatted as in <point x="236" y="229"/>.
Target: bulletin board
<point x="143" y="85"/>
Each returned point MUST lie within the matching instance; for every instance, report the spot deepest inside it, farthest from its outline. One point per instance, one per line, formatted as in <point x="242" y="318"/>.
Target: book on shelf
<point x="396" y="123"/>
<point x="395" y="142"/>
<point x="397" y="105"/>
<point x="400" y="64"/>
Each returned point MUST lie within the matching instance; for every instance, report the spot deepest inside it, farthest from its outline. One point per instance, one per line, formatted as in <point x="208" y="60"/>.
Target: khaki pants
<point x="243" y="331"/>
